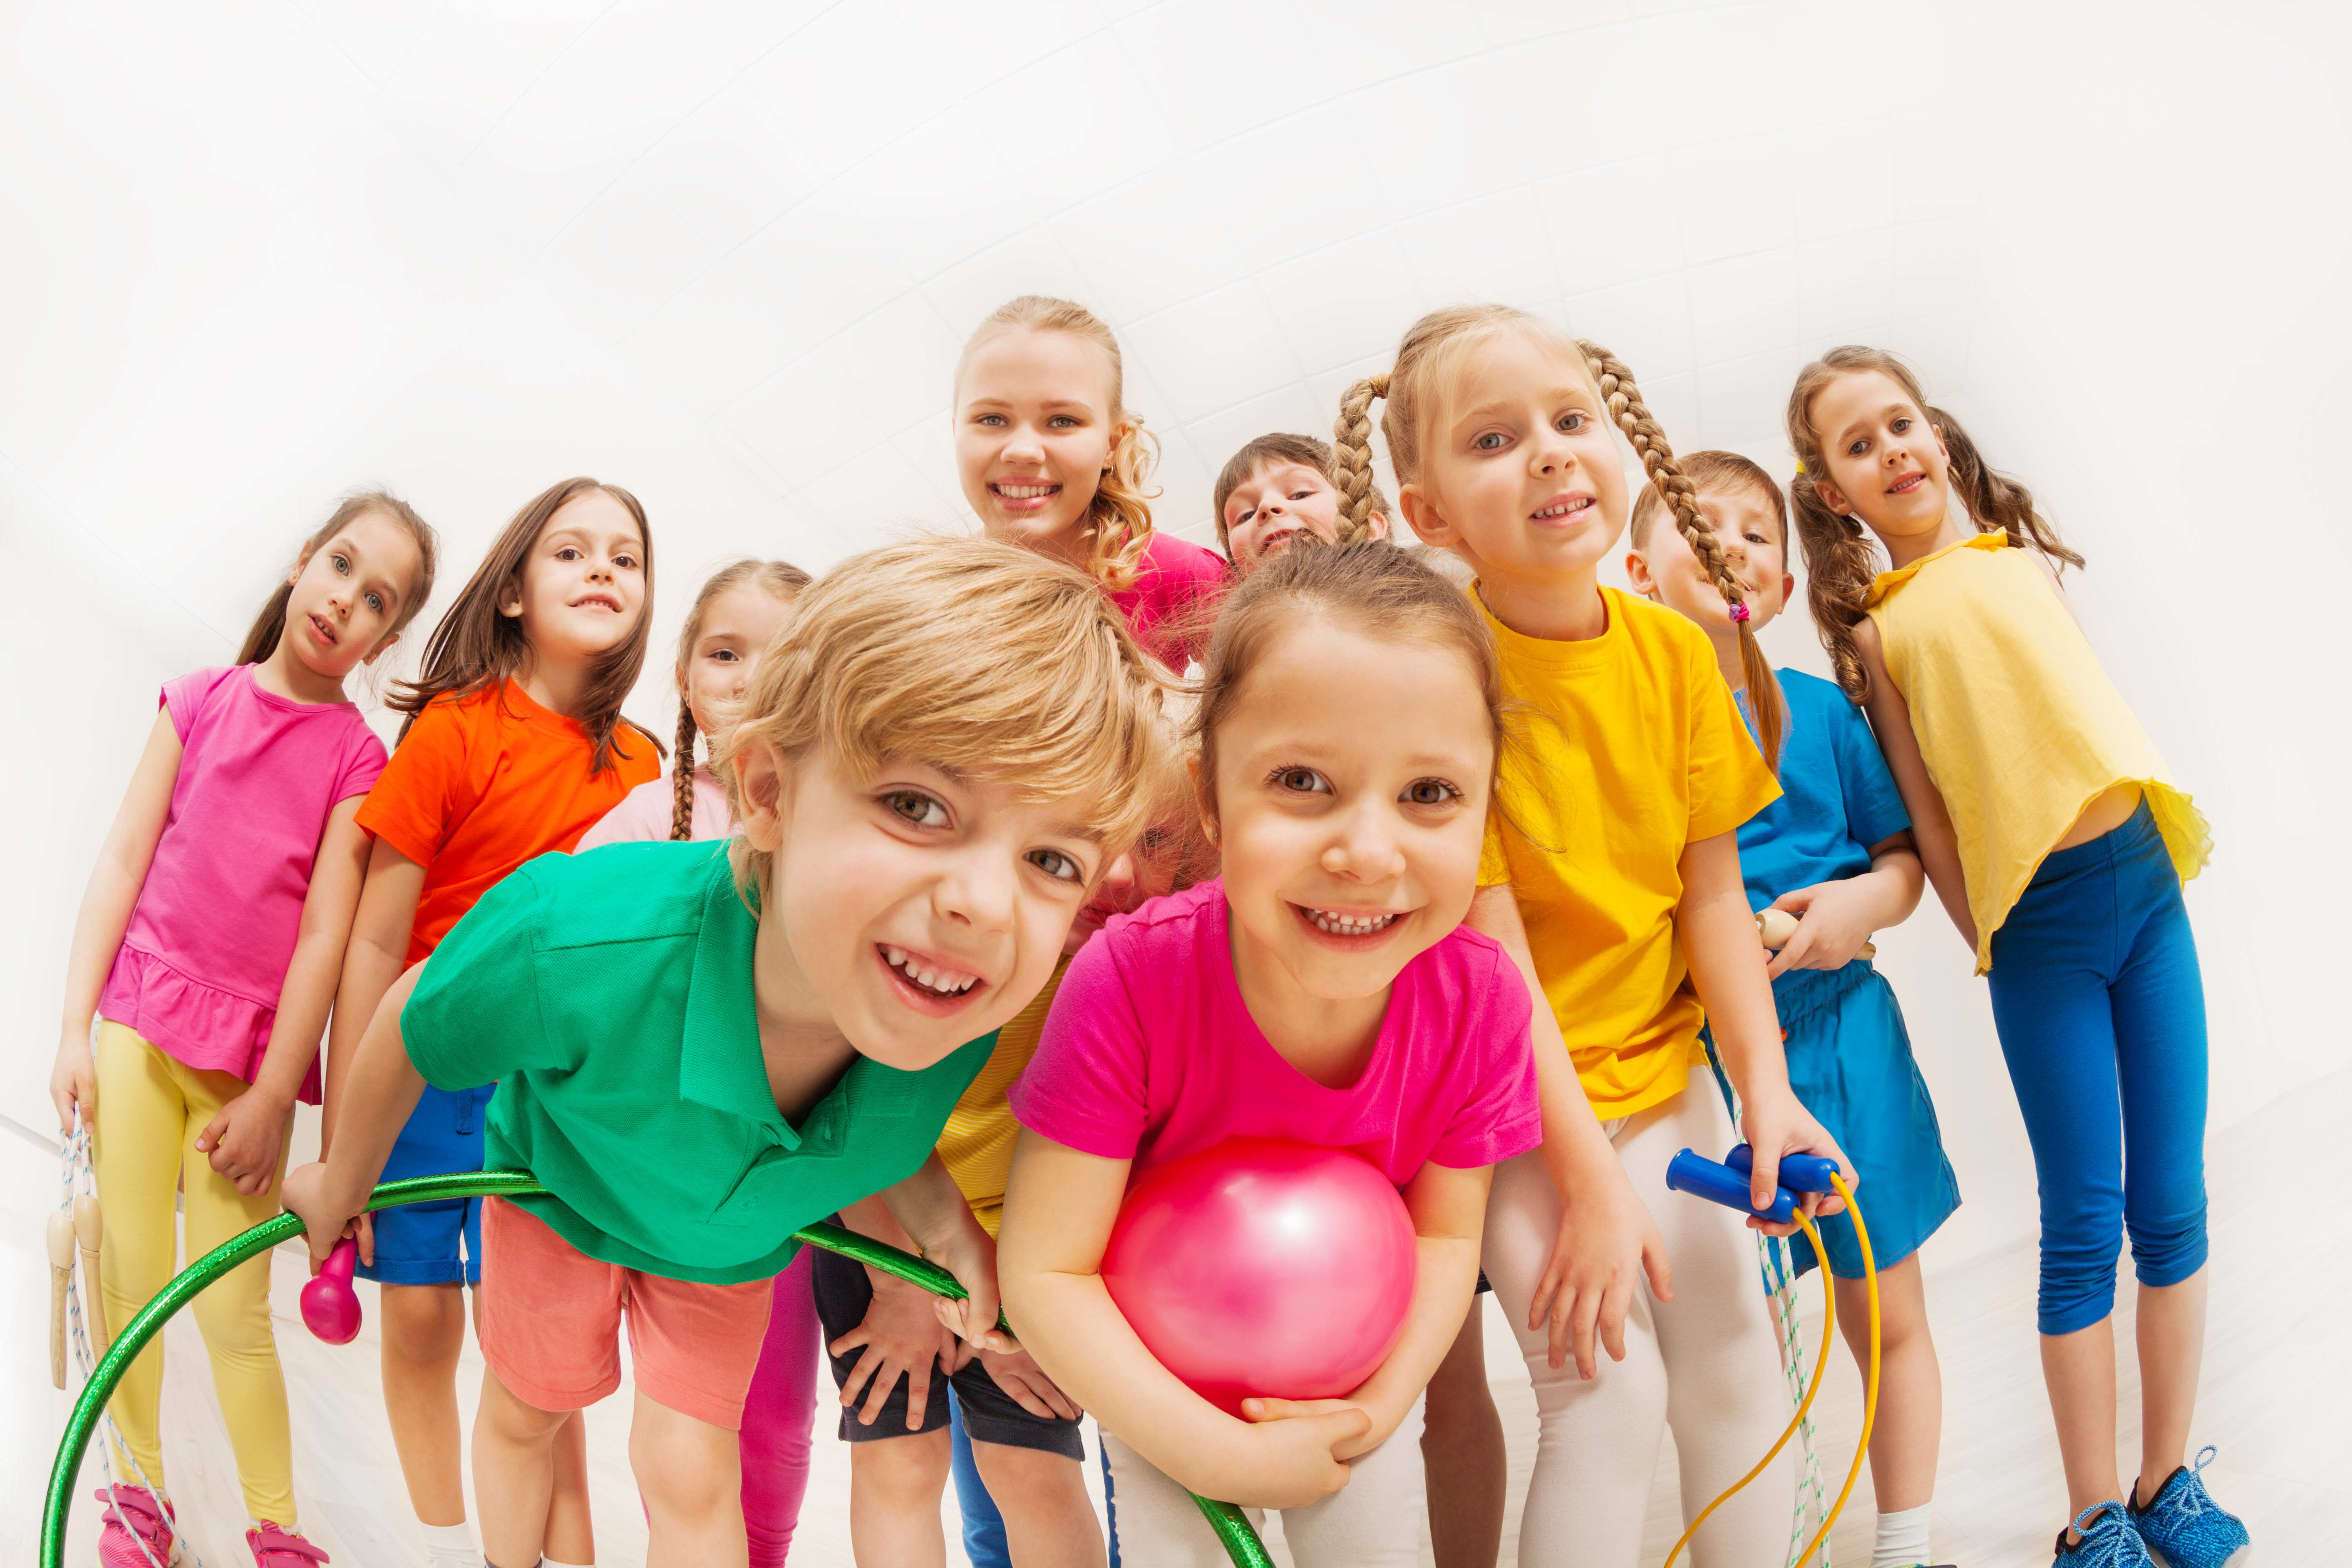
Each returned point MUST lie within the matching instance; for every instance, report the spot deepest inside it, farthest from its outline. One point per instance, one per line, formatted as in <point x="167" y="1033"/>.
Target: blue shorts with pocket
<point x="418" y="1244"/>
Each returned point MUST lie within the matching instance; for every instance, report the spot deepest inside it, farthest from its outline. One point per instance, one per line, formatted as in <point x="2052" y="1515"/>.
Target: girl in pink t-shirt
<point x="1051" y="459"/>
<point x="207" y="951"/>
<point x="734" y="618"/>
<point x="1324" y="991"/>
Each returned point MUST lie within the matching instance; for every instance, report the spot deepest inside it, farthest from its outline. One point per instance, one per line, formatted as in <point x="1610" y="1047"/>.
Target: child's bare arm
<point x="1835" y="918"/>
<point x="381" y="1087"/>
<point x="1058" y="1215"/>
<point x="1931" y="820"/>
<point x="372" y="959"/>
<point x="106" y="905"/>
<point x="932" y="1208"/>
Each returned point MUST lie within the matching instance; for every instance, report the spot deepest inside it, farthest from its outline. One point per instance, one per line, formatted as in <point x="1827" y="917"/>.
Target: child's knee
<point x="2167" y="1249"/>
<point x="423" y="1325"/>
<point x="506" y="1416"/>
<point x="1031" y="1482"/>
<point x="682" y="1480"/>
<point x="912" y="1469"/>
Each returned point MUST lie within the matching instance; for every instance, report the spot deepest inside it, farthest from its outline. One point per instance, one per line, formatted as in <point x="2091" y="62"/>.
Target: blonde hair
<point x="970" y="655"/>
<point x="781" y="579"/>
<point x="1428" y="363"/>
<point x="1118" y="522"/>
<point x="1841" y="559"/>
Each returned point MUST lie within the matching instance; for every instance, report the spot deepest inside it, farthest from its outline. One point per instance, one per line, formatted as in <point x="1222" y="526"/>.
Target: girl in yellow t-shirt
<point x="1612" y="872"/>
<point x="2058" y="845"/>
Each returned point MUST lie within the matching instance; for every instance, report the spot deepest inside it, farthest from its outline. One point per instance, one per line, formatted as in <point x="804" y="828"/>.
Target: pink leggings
<point x="779" y="1416"/>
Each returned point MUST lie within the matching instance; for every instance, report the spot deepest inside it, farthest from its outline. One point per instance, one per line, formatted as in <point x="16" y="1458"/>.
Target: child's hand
<point x="73" y="1083"/>
<point x="899" y="1336"/>
<point x="969" y="1253"/>
<point x="242" y="1140"/>
<point x="1378" y="1427"/>
<point x="1832" y="925"/>
<point x="326" y="1216"/>
<point x="1607" y="1242"/>
<point x="1775" y="1125"/>
<point x="1288" y="1460"/>
<point x="1025" y="1383"/>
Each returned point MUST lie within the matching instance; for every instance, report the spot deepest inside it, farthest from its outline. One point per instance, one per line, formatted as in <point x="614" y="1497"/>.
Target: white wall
<point x="252" y="255"/>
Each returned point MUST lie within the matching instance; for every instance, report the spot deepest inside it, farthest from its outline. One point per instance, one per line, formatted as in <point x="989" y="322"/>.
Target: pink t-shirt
<point x="644" y="813"/>
<point x="205" y="956"/>
<point x="1174" y="600"/>
<point x="1149" y="1054"/>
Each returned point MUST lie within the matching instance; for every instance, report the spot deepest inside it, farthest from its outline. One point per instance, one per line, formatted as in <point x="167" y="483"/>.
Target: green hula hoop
<point x="1241" y="1542"/>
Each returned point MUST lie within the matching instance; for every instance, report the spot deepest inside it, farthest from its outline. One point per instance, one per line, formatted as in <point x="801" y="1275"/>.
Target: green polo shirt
<point x="609" y="996"/>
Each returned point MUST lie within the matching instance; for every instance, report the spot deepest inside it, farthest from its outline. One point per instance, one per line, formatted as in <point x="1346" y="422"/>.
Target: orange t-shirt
<point x="486" y="782"/>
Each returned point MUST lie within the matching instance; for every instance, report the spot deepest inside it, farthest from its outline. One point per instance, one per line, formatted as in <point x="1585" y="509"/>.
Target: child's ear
<point x="1637" y="571"/>
<point x="1377" y="526"/>
<point x="301" y="565"/>
<point x="1204" y="796"/>
<point x="1421" y="514"/>
<point x="1832" y="497"/>
<point x="377" y="652"/>
<point x="763" y="782"/>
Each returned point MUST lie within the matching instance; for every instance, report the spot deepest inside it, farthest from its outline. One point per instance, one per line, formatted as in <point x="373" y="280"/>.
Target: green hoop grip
<point x="1233" y="1526"/>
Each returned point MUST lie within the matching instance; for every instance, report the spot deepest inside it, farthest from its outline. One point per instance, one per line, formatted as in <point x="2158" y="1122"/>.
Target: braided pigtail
<point x="1351" y="458"/>
<point x="1994" y="499"/>
<point x="681" y="814"/>
<point x="1674" y="488"/>
<point x="1840" y="563"/>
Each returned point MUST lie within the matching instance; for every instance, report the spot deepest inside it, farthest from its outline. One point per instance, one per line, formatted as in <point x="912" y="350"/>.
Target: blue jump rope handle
<point x="1703" y="1178"/>
<point x="1799" y="1172"/>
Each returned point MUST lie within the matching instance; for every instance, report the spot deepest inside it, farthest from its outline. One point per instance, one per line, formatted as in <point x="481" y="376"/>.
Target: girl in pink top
<point x="1051" y="459"/>
<point x="206" y="952"/>
<point x="1324" y="991"/>
<point x="734" y="618"/>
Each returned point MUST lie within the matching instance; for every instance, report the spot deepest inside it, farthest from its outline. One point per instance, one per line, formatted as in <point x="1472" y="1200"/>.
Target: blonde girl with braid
<point x="2057" y="842"/>
<point x="734" y="618"/>
<point x="1051" y="459"/>
<point x="1611" y="872"/>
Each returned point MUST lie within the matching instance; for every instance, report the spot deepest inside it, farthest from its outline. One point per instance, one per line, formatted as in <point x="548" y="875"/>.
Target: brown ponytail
<point x="1840" y="563"/>
<point x="783" y="582"/>
<point x="1994" y="499"/>
<point x="261" y="637"/>
<point x="1633" y="416"/>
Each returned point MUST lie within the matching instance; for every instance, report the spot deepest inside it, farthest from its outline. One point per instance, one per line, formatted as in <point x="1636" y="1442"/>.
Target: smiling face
<point x="582" y="586"/>
<point x="1349" y="799"/>
<point x="1886" y="464"/>
<point x="916" y="910"/>
<point x="1036" y="420"/>
<point x="1272" y="507"/>
<point x="1519" y="473"/>
<point x="348" y="594"/>
<point x="1664" y="568"/>
<point x="737" y="628"/>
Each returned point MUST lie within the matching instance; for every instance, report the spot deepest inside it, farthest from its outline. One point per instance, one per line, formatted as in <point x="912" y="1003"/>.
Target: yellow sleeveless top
<point x="2021" y="727"/>
<point x="977" y="1144"/>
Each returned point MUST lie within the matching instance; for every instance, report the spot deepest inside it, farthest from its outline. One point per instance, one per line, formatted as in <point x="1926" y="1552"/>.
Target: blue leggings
<point x="2101" y="1011"/>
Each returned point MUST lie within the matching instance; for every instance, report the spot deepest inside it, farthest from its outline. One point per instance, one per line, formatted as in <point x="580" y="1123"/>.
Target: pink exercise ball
<point x="1261" y="1268"/>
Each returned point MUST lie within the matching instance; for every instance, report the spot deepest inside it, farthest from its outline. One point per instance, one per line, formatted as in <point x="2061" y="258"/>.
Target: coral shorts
<point x="551" y="1325"/>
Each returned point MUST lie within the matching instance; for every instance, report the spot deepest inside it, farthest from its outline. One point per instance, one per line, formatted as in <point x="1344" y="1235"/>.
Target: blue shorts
<point x="417" y="1244"/>
<point x="1849" y="1064"/>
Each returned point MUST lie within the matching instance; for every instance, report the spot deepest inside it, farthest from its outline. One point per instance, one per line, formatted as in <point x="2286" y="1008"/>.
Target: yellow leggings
<point x="150" y="1109"/>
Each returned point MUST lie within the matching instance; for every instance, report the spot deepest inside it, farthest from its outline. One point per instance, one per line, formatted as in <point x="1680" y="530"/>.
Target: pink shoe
<point x="276" y="1548"/>
<point x="138" y="1531"/>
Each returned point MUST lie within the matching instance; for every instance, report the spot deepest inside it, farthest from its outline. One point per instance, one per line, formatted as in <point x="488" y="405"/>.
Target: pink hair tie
<point x="1738" y="614"/>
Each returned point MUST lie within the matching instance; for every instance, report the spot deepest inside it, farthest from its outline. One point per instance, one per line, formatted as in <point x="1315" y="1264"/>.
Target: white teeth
<point x="940" y="982"/>
<point x="1026" y="492"/>
<point x="1338" y="924"/>
<point x="1562" y="508"/>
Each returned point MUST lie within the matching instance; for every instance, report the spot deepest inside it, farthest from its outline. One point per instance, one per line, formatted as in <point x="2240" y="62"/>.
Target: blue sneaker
<point x="2108" y="1541"/>
<point x="2185" y="1528"/>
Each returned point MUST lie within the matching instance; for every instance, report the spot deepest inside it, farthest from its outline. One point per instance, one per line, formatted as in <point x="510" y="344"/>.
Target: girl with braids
<point x="514" y="746"/>
<point x="1835" y="851"/>
<point x="733" y="619"/>
<point x="207" y="953"/>
<point x="1611" y="872"/>
<point x="1051" y="459"/>
<point x="2052" y="834"/>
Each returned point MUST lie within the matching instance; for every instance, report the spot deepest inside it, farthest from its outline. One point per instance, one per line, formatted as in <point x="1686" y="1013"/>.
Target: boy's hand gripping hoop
<point x="1727" y="1185"/>
<point x="329" y="1304"/>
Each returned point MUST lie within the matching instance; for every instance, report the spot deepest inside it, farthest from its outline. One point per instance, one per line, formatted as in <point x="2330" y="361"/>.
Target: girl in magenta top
<point x="207" y="954"/>
<point x="1324" y="991"/>
<point x="1051" y="459"/>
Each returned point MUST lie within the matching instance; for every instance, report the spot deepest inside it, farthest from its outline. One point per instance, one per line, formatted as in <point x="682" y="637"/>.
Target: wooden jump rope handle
<point x="61" y="1262"/>
<point x="88" y="1229"/>
<point x="1776" y="926"/>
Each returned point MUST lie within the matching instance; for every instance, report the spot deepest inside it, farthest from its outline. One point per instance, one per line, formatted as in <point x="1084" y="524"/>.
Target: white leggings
<point x="1376" y="1520"/>
<point x="1707" y="1361"/>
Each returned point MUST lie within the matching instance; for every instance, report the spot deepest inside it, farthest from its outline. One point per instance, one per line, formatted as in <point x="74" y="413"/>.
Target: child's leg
<point x="514" y="1472"/>
<point x="1033" y="1468"/>
<point x="2159" y="1011"/>
<point x="780" y="1416"/>
<point x="1910" y="1428"/>
<point x="1596" y="1442"/>
<point x="983" y="1525"/>
<point x="1727" y="1395"/>
<point x="1159" y="1525"/>
<point x="233" y="1315"/>
<point x="1376" y="1518"/>
<point x="690" y="1475"/>
<point x="424" y="1329"/>
<point x="895" y="1484"/>
<point x="1461" y="1453"/>
<point x="570" y="1529"/>
<point x="136" y="1143"/>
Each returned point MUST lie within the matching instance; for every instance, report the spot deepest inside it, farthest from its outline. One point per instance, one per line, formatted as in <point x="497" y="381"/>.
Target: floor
<point x="2277" y="1376"/>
